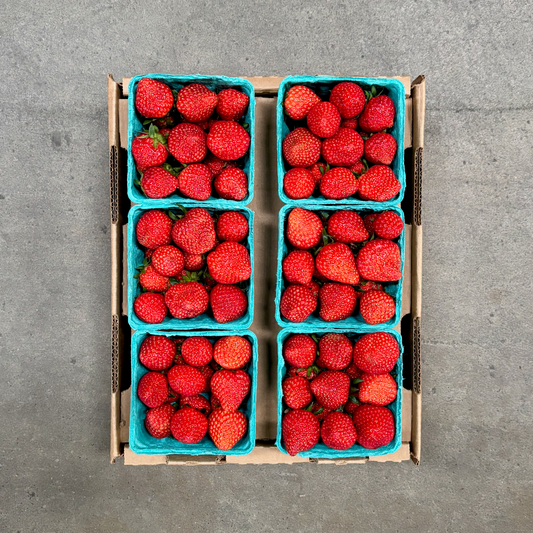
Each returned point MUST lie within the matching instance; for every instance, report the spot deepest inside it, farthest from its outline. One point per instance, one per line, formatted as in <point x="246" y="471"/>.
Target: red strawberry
<point x="388" y="225"/>
<point x="320" y="411"/>
<point x="195" y="182"/>
<point x="228" y="303"/>
<point x="335" y="351"/>
<point x="230" y="387"/>
<point x="215" y="404"/>
<point x="350" y="123"/>
<point x="308" y="373"/>
<point x="344" y="148"/>
<point x="376" y="307"/>
<point x="232" y="226"/>
<point x="298" y="183"/>
<point x="338" y="183"/>
<point x="157" y="421"/>
<point x="153" y="99"/>
<point x="207" y="372"/>
<point x="314" y="287"/>
<point x="353" y="371"/>
<point x="156" y="182"/>
<point x="379" y="184"/>
<point x="228" y="140"/>
<point x="150" y="280"/>
<point x="197" y="351"/>
<point x="380" y="260"/>
<point x="152" y="389"/>
<point x="376" y="353"/>
<point x="166" y="131"/>
<point x="187" y="300"/>
<point x="380" y="149"/>
<point x="351" y="405"/>
<point x="167" y="260"/>
<point x="358" y="168"/>
<point x="304" y="228"/>
<point x="374" y="425"/>
<point x="215" y="164"/>
<point x="193" y="262"/>
<point x="298" y="267"/>
<point x="153" y="229"/>
<point x="336" y="262"/>
<point x="148" y="149"/>
<point x="378" y="114"/>
<point x="226" y="428"/>
<point x="297" y="303"/>
<point x="198" y="402"/>
<point x="232" y="104"/>
<point x="369" y="222"/>
<point x="299" y="350"/>
<point x="187" y="143"/>
<point x="196" y="102"/>
<point x="232" y="352"/>
<point x="301" y="148"/>
<point x="347" y="227"/>
<point x="157" y="352"/>
<point x="229" y="263"/>
<point x="331" y="388"/>
<point x="323" y="119"/>
<point x="299" y="101"/>
<point x="348" y="98"/>
<point x="380" y="389"/>
<point x="296" y="392"/>
<point x="317" y="171"/>
<point x="188" y="425"/>
<point x="300" y="431"/>
<point x="338" y="431"/>
<point x="337" y="301"/>
<point x="195" y="232"/>
<point x="231" y="184"/>
<point x="185" y="379"/>
<point x="150" y="307"/>
<point x="365" y="286"/>
<point x="173" y="396"/>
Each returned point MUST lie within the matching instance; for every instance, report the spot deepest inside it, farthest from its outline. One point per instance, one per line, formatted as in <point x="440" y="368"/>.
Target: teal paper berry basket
<point x="205" y="320"/>
<point x="320" y="450"/>
<point x="141" y="442"/>
<point x="135" y="126"/>
<point x="354" y="321"/>
<point x="322" y="85"/>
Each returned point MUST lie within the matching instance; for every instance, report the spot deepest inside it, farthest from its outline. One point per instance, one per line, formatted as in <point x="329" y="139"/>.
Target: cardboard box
<point x="266" y="206"/>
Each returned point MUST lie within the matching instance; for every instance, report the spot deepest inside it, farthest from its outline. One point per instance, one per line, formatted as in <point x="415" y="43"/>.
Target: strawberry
<point x="335" y="351"/>
<point x="195" y="182"/>
<point x="298" y="267"/>
<point x="348" y="98"/>
<point x="153" y="229"/>
<point x="380" y="389"/>
<point x="193" y="262"/>
<point x="229" y="263"/>
<point x="351" y="405"/>
<point x="148" y="149"/>
<point x="336" y="262"/>
<point x="215" y="403"/>
<point x="157" y="352"/>
<point x="298" y="183"/>
<point x="353" y="371"/>
<point x="231" y="184"/>
<point x="347" y="227"/>
<point x="376" y="353"/>
<point x="365" y="286"/>
<point x="185" y="379"/>
<point x="380" y="149"/>
<point x="152" y="389"/>
<point x="314" y="287"/>
<point x="232" y="352"/>
<point x="228" y="140"/>
<point x="150" y="280"/>
<point x="197" y="351"/>
<point x="304" y="228"/>
<point x="187" y="143"/>
<point x="173" y="396"/>
<point x="358" y="168"/>
<point x="207" y="371"/>
<point x="378" y="114"/>
<point x="301" y="148"/>
<point x="150" y="307"/>
<point x="308" y="373"/>
<point x="331" y="388"/>
<point x="167" y="260"/>
<point x="230" y="387"/>
<point x="215" y="164"/>
<point x="198" y="402"/>
<point x="344" y="148"/>
<point x="228" y="303"/>
<point x="350" y="123"/>
<point x="296" y="392"/>
<point x="338" y="183"/>
<point x="299" y="350"/>
<point x="299" y="101"/>
<point x="338" y="431"/>
<point x="297" y="303"/>
<point x="231" y="104"/>
<point x="157" y="421"/>
<point x="320" y="411"/>
<point x="379" y="184"/>
<point x="317" y="171"/>
<point x="380" y="260"/>
<point x="376" y="307"/>
<point x="232" y="226"/>
<point x="323" y="119"/>
<point x="388" y="225"/>
<point x="226" y="428"/>
<point x="300" y="430"/>
<point x="195" y="232"/>
<point x="153" y="99"/>
<point x="188" y="425"/>
<point x="337" y="301"/>
<point x="156" y="182"/>
<point x="374" y="425"/>
<point x="196" y="102"/>
<point x="187" y="300"/>
<point x="165" y="131"/>
<point x="369" y="222"/>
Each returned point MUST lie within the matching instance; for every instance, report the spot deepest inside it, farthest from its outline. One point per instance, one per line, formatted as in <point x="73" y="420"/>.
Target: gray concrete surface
<point x="477" y="469"/>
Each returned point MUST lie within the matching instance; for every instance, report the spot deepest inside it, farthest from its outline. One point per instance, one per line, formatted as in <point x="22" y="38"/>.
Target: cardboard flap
<point x="266" y="454"/>
<point x="401" y="454"/>
<point x="132" y="459"/>
<point x="123" y="122"/>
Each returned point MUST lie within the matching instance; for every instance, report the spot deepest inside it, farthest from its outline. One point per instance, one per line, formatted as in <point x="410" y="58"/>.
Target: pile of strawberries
<point x="195" y="140"/>
<point x="338" y="393"/>
<point x="338" y="260"/>
<point x="341" y="147"/>
<point x="182" y="373"/>
<point x="193" y="261"/>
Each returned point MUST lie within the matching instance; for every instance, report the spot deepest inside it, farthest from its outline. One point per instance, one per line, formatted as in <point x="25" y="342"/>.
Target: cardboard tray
<point x="266" y="206"/>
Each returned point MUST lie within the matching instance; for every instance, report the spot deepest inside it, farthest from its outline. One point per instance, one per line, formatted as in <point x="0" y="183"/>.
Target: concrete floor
<point x="477" y="470"/>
